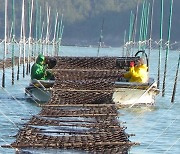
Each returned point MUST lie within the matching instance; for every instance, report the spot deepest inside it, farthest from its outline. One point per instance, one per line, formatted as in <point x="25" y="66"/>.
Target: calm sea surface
<point x="157" y="129"/>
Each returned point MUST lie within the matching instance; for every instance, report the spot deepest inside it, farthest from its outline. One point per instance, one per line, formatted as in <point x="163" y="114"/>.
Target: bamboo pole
<point x="74" y="144"/>
<point x="30" y="35"/>
<point x="135" y="27"/>
<point x="24" y="37"/>
<point x="143" y="30"/>
<point x="36" y="31"/>
<point x="39" y="30"/>
<point x="80" y="115"/>
<point x="13" y="39"/>
<point x="175" y="81"/>
<point x="77" y="105"/>
<point x="10" y="33"/>
<point x="59" y="34"/>
<point x="60" y="38"/>
<point x="130" y="26"/>
<point x="28" y="27"/>
<point x="141" y="25"/>
<point x="57" y="39"/>
<point x="100" y="39"/>
<point x="47" y="30"/>
<point x="150" y="33"/>
<point x="55" y="32"/>
<point x="5" y="44"/>
<point x="146" y="25"/>
<point x="131" y="23"/>
<point x="42" y="41"/>
<point x="167" y="48"/>
<point x="132" y="33"/>
<point x="20" y="45"/>
<point x="124" y="46"/>
<point x="160" y="42"/>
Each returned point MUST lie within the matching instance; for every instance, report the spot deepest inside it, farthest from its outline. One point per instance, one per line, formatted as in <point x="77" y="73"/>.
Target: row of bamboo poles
<point x="145" y="38"/>
<point x="35" y="35"/>
<point x="29" y="47"/>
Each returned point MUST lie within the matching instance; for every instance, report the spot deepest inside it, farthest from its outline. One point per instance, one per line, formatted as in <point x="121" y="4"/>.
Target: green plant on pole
<point x="167" y="47"/>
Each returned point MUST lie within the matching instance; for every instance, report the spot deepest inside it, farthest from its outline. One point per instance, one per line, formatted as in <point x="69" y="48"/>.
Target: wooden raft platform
<point x="80" y="114"/>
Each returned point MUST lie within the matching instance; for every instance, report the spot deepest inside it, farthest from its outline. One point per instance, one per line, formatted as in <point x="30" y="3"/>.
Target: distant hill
<point x="83" y="19"/>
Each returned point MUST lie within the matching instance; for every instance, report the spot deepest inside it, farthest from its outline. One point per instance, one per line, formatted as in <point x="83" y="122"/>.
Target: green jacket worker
<point x="38" y="70"/>
<point x="137" y="73"/>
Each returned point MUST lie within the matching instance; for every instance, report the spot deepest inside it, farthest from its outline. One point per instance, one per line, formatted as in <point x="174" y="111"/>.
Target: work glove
<point x="121" y="75"/>
<point x="131" y="64"/>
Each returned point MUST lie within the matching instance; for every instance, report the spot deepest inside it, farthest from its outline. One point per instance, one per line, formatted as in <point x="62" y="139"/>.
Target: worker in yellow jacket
<point x="138" y="72"/>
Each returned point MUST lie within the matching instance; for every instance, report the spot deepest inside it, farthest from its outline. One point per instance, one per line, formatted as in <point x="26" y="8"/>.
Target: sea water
<point x="157" y="128"/>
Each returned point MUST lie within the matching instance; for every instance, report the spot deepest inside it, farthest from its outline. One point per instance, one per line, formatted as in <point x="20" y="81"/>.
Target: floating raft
<point x="80" y="114"/>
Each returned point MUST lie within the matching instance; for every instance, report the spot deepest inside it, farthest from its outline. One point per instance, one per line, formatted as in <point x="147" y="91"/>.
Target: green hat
<point x="40" y="59"/>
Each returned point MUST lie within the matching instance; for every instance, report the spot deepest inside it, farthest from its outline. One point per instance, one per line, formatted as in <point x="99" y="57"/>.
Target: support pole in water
<point x="39" y="29"/>
<point x="60" y="34"/>
<point x="29" y="12"/>
<point x="30" y="35"/>
<point x="100" y="39"/>
<point x="47" y="31"/>
<point x="167" y="48"/>
<point x="42" y="41"/>
<point x="160" y="43"/>
<point x="141" y="25"/>
<point x="57" y="40"/>
<point x="55" y="32"/>
<point x="151" y="28"/>
<point x="131" y="26"/>
<point x="146" y="25"/>
<point x="124" y="46"/>
<point x="13" y="39"/>
<point x="20" y="45"/>
<point x="135" y="27"/>
<point x="175" y="82"/>
<point x="5" y="44"/>
<point x="24" y="39"/>
<point x="36" y="30"/>
<point x="40" y="25"/>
